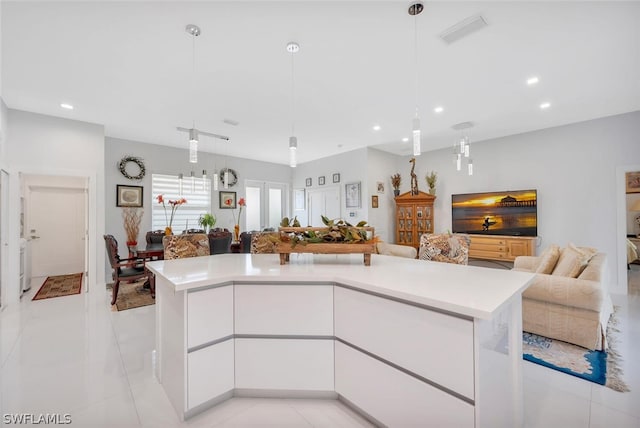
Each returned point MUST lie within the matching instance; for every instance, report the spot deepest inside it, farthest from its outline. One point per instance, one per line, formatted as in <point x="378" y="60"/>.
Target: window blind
<point x="186" y="216"/>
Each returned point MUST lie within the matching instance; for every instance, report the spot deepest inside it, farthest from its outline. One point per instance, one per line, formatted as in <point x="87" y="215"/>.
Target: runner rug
<point x="601" y="367"/>
<point x="60" y="285"/>
<point x="132" y="295"/>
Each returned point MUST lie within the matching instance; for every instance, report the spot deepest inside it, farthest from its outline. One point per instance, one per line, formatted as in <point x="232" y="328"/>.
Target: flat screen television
<point x="513" y="213"/>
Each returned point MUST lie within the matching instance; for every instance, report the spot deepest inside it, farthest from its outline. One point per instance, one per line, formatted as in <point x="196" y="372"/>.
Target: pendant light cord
<point x="193" y="72"/>
<point x="293" y="126"/>
<point x="415" y="55"/>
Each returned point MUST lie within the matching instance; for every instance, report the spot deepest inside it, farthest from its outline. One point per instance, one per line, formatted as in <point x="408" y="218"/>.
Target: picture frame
<point x="129" y="196"/>
<point x="374" y="201"/>
<point x="321" y="180"/>
<point x="352" y="195"/>
<point x="308" y="182"/>
<point x="336" y="177"/>
<point x="380" y="186"/>
<point x="632" y="180"/>
<point x="227" y="200"/>
<point x="299" y="199"/>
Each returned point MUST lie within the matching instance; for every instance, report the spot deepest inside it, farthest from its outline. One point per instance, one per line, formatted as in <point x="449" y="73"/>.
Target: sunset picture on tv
<point x="513" y="213"/>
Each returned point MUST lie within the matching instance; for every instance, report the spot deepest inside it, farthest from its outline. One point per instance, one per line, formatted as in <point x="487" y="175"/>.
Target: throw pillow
<point x="572" y="261"/>
<point x="548" y="259"/>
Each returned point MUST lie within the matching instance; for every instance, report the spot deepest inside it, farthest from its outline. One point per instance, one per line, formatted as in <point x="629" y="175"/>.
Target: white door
<point x="323" y="202"/>
<point x="57" y="228"/>
<point x="266" y="204"/>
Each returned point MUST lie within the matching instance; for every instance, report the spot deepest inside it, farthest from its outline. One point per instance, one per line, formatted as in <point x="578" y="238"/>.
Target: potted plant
<point x="432" y="178"/>
<point x="395" y="182"/>
<point x="207" y="221"/>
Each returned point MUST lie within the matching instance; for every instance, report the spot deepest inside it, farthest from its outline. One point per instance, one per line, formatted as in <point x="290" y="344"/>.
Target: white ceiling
<point x="128" y="65"/>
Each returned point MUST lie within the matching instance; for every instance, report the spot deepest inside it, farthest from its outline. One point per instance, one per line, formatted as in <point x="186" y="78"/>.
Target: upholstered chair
<point x="187" y="245"/>
<point x="155" y="236"/>
<point x="445" y="247"/>
<point x="264" y="242"/>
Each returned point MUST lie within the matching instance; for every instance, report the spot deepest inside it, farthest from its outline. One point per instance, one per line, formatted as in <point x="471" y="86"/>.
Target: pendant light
<point x="414" y="10"/>
<point x="194" y="30"/>
<point x="293" y="48"/>
<point x="462" y="148"/>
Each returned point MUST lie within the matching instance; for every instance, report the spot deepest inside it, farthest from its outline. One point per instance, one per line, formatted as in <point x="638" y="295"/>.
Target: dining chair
<point x="264" y="242"/>
<point x="155" y="236"/>
<point x="184" y="246"/>
<point x="126" y="270"/>
<point x="219" y="241"/>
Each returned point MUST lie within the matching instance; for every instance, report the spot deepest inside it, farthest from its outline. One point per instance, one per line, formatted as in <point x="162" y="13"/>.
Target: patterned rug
<point x="132" y="295"/>
<point x="595" y="366"/>
<point x="60" y="285"/>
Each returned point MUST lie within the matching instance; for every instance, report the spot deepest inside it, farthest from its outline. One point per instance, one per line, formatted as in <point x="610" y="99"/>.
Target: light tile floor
<point x="73" y="355"/>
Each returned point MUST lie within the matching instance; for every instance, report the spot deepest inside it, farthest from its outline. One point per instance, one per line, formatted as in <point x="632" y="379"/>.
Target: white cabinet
<point x="436" y="346"/>
<point x="395" y="398"/>
<point x="209" y="373"/>
<point x="284" y="364"/>
<point x="209" y="315"/>
<point x="292" y="309"/>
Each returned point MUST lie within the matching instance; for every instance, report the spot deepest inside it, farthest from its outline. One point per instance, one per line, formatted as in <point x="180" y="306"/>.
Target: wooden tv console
<point x="500" y="247"/>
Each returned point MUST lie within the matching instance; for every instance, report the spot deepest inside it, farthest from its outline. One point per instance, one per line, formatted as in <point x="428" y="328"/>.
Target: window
<point x="195" y="190"/>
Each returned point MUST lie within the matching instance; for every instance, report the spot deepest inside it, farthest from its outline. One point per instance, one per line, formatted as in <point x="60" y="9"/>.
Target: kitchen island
<point x="403" y="342"/>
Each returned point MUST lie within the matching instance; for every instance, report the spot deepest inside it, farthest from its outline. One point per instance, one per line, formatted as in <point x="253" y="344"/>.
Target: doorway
<point x="55" y="224"/>
<point x="626" y="226"/>
<point x="323" y="202"/>
<point x="266" y="204"/>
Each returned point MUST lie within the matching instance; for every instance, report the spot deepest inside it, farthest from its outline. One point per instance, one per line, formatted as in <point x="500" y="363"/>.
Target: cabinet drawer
<point x="284" y="309"/>
<point x="487" y="241"/>
<point x="435" y="346"/>
<point x="285" y="364"/>
<point x="209" y="315"/>
<point x="487" y="247"/>
<point x="495" y="255"/>
<point x="394" y="398"/>
<point x="209" y="373"/>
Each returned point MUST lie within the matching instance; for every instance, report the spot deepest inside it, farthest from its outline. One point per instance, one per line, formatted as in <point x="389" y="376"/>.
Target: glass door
<point x="266" y="204"/>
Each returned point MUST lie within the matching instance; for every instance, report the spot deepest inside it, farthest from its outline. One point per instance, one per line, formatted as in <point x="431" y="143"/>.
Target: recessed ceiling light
<point x="438" y="109"/>
<point x="405" y="139"/>
<point x="545" y="106"/>
<point x="376" y="127"/>
<point x="67" y="106"/>
<point x="532" y="81"/>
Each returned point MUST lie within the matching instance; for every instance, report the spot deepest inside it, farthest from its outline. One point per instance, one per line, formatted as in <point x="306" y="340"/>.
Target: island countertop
<point x="466" y="290"/>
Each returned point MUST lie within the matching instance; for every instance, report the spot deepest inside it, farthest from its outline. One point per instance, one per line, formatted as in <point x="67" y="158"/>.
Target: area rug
<point x="595" y="366"/>
<point x="132" y="295"/>
<point x="60" y="285"/>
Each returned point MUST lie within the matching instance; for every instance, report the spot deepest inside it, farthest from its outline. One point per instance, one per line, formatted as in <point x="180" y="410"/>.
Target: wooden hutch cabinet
<point x="414" y="216"/>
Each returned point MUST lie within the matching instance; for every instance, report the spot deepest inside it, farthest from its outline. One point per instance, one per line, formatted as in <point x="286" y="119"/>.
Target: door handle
<point x="34" y="237"/>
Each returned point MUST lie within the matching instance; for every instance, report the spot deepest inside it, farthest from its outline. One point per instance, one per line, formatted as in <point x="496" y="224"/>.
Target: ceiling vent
<point x="462" y="125"/>
<point x="463" y="29"/>
<point x="231" y="122"/>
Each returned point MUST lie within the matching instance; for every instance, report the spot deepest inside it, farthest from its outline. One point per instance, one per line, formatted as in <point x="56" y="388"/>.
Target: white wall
<point x="172" y="161"/>
<point x="61" y="147"/>
<point x="352" y="167"/>
<point x="380" y="167"/>
<point x="573" y="167"/>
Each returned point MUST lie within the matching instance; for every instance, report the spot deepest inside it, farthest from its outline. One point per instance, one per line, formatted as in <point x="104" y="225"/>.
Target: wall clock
<point x="122" y="166"/>
<point x="233" y="177"/>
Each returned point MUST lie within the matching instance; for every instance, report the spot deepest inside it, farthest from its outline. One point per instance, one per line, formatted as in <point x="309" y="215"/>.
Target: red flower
<point x="242" y="202"/>
<point x="174" y="206"/>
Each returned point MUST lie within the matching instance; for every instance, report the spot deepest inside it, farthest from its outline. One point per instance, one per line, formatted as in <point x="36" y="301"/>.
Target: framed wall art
<point x="336" y="178"/>
<point x="321" y="180"/>
<point x="128" y="196"/>
<point x="307" y="182"/>
<point x="633" y="181"/>
<point x="352" y="195"/>
<point x="227" y="200"/>
<point x="374" y="201"/>
<point x="298" y="199"/>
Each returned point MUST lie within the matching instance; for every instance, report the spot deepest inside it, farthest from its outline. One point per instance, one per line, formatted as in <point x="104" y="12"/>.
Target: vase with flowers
<point x="236" y="220"/>
<point x="174" y="206"/>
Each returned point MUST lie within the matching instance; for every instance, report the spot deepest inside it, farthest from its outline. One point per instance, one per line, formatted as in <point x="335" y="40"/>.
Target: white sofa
<point x="574" y="310"/>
